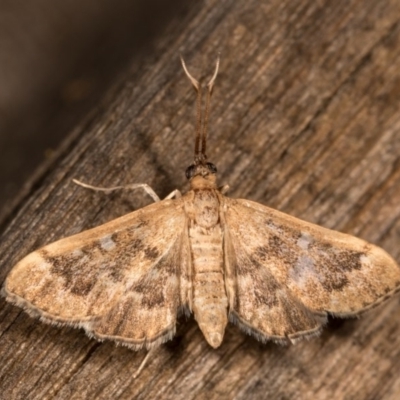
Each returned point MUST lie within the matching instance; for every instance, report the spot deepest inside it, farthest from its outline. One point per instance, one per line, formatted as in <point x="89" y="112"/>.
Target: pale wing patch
<point x="125" y="279"/>
<point x="107" y="243"/>
<point x="326" y="271"/>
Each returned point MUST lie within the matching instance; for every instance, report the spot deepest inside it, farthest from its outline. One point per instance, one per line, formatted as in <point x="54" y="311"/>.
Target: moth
<point x="222" y="259"/>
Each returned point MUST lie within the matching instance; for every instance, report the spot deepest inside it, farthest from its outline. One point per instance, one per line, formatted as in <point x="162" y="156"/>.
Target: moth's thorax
<point x="202" y="207"/>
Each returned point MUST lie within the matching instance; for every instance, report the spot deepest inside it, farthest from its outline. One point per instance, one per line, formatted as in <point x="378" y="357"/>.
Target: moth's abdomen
<point x="210" y="302"/>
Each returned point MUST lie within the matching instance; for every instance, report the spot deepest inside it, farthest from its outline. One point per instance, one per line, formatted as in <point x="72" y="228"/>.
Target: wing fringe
<point x="292" y="338"/>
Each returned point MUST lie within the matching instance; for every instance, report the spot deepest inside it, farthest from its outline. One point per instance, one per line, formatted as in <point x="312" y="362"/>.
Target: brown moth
<point x="273" y="275"/>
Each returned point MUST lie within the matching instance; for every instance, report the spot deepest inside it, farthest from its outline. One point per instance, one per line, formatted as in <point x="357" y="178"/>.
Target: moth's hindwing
<point x="288" y="274"/>
<point x="121" y="281"/>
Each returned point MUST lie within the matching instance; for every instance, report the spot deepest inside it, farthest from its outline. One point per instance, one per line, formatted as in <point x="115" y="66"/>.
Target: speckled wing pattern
<point x="286" y="274"/>
<point x="124" y="280"/>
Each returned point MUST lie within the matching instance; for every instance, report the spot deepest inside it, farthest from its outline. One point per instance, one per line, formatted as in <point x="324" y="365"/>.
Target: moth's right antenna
<point x="197" y="87"/>
<point x="210" y="87"/>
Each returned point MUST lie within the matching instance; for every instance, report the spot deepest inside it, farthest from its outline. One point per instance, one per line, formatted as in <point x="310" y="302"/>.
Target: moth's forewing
<point x="121" y="280"/>
<point x="290" y="273"/>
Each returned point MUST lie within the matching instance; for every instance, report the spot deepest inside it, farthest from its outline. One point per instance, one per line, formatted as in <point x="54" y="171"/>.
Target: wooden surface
<point x="306" y="119"/>
<point x="56" y="62"/>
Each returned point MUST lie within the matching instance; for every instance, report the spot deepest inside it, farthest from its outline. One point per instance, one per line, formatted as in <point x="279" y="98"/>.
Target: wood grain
<point x="305" y="118"/>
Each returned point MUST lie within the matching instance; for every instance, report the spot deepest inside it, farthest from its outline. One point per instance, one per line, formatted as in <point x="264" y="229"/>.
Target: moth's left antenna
<point x="197" y="87"/>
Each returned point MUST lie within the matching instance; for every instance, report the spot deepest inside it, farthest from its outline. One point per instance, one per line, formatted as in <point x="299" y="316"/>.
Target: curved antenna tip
<point x="210" y="84"/>
<point x="194" y="81"/>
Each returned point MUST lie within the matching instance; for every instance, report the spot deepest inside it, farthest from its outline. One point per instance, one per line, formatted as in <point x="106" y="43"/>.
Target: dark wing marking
<point x="124" y="280"/>
<point x="289" y="273"/>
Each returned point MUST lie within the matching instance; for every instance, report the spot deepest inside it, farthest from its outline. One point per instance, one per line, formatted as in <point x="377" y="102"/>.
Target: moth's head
<point x="202" y="175"/>
<point x="206" y="170"/>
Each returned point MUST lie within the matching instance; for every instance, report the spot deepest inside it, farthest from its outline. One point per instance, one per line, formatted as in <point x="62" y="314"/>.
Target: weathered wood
<point x="305" y="119"/>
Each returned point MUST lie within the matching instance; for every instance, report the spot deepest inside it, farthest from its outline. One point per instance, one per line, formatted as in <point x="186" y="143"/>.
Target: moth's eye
<point x="212" y="167"/>
<point x="190" y="171"/>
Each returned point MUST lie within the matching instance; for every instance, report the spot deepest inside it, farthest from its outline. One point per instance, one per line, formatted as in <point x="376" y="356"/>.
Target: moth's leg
<point x="144" y="362"/>
<point x="224" y="189"/>
<point x="133" y="186"/>
<point x="176" y="193"/>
